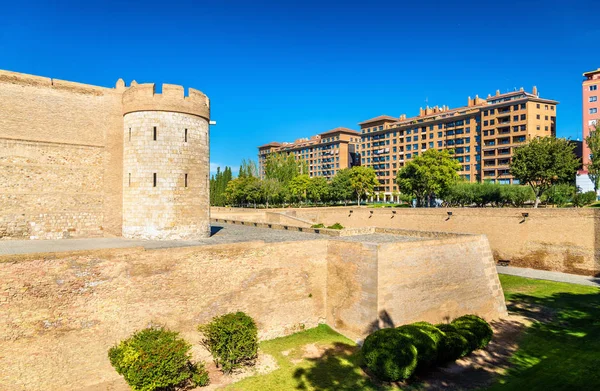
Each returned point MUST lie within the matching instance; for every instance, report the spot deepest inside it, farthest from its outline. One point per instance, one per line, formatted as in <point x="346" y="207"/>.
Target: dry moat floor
<point x="550" y="342"/>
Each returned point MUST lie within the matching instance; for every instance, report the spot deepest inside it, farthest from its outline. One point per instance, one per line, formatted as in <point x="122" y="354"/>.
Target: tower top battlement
<point x="142" y="97"/>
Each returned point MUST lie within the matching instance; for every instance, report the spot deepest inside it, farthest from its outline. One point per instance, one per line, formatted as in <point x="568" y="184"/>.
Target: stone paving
<point x="221" y="234"/>
<point x="548" y="275"/>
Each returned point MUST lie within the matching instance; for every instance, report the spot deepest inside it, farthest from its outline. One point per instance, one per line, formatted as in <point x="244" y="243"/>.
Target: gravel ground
<point x="378" y="238"/>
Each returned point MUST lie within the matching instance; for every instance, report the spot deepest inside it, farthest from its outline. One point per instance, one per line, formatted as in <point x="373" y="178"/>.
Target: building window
<point x="129" y="134"/>
<point x="185" y="180"/>
<point x="523" y="117"/>
<point x="592" y="99"/>
<point x="185" y="137"/>
<point x="593" y="88"/>
<point x="154" y="135"/>
<point x="129" y="184"/>
<point x="154" y="180"/>
<point x="538" y="105"/>
<point x="537" y="116"/>
<point x="593" y="110"/>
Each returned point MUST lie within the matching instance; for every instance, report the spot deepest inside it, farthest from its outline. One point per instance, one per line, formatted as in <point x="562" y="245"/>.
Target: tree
<point x="593" y="167"/>
<point x="544" y="162"/>
<point x="218" y="184"/>
<point x="428" y="175"/>
<point x="362" y="180"/>
<point x="318" y="189"/>
<point x="248" y="169"/>
<point x="340" y="186"/>
<point x="270" y="189"/>
<point x="284" y="167"/>
<point x="298" y="187"/>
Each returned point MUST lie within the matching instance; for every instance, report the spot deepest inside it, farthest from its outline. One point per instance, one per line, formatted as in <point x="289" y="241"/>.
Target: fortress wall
<point x="173" y="209"/>
<point x="372" y="286"/>
<point x="61" y="312"/>
<point x="60" y="166"/>
<point x="565" y="240"/>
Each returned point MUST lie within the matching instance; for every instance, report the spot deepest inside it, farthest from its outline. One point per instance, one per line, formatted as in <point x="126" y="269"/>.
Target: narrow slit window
<point x="155" y="133"/>
<point x="185" y="180"/>
<point x="185" y="135"/>
<point x="154" y="180"/>
<point x="129" y="134"/>
<point x="129" y="179"/>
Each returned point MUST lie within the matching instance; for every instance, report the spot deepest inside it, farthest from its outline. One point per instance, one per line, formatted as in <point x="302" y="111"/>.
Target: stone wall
<point x="177" y="205"/>
<point x="60" y="167"/>
<point x="61" y="157"/>
<point x="372" y="286"/>
<point x="565" y="240"/>
<point x="60" y="313"/>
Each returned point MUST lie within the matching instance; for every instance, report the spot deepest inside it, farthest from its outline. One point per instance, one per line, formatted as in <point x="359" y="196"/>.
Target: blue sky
<point x="281" y="70"/>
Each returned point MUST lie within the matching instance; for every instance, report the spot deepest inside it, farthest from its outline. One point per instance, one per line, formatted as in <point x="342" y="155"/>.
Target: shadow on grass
<point x="560" y="350"/>
<point x="337" y="369"/>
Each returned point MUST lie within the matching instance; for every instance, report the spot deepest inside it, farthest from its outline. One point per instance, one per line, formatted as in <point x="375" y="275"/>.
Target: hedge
<point x="395" y="354"/>
<point x="389" y="355"/>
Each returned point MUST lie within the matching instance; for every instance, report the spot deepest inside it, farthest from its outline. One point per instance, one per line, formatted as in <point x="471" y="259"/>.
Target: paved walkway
<point x="220" y="234"/>
<point x="551" y="276"/>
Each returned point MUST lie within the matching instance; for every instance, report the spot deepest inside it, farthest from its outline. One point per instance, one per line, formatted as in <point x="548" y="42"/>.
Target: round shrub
<point x="389" y="355"/>
<point x="453" y="345"/>
<point x="426" y="338"/>
<point x="231" y="339"/>
<point x="480" y="328"/>
<point x="154" y="359"/>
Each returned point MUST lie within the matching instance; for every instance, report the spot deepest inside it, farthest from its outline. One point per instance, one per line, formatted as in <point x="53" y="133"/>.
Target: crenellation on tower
<point x="144" y="145"/>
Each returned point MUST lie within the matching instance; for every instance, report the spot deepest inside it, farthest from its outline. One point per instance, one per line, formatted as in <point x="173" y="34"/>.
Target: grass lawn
<point x="334" y="367"/>
<point x="560" y="351"/>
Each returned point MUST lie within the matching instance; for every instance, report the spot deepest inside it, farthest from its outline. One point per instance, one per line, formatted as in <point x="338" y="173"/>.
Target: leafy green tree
<point x="318" y="189"/>
<point x="270" y="189"/>
<point x="593" y="167"/>
<point x="362" y="180"/>
<point x="544" y="162"/>
<point x="428" y="175"/>
<point x="560" y="194"/>
<point x="284" y="167"/>
<point x="582" y="199"/>
<point x="218" y="184"/>
<point x="248" y="169"/>
<point x="298" y="187"/>
<point x="341" y="187"/>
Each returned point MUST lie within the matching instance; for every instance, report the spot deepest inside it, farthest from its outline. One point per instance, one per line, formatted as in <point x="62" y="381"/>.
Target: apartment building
<point x="325" y="153"/>
<point x="482" y="135"/>
<point x="591" y="114"/>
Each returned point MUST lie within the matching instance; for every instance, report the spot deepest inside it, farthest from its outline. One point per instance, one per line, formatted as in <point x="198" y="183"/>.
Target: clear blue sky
<point x="281" y="70"/>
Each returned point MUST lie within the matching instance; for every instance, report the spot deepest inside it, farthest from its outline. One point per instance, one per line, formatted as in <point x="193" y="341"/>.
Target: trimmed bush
<point x="154" y="359"/>
<point x="320" y="225"/>
<point x="232" y="340"/>
<point x="389" y="355"/>
<point x="336" y="226"/>
<point x="453" y="345"/>
<point x="426" y="338"/>
<point x="478" y="327"/>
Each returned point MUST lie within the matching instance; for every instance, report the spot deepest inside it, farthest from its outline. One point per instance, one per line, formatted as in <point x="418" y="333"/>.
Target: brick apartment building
<point x="483" y="135"/>
<point x="591" y="114"/>
<point x="325" y="153"/>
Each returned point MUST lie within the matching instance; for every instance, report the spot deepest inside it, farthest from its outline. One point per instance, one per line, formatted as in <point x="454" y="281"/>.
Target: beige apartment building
<point x="483" y="135"/>
<point x="325" y="153"/>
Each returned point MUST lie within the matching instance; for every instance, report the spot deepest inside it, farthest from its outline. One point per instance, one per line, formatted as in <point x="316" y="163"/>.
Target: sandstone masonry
<point x="84" y="161"/>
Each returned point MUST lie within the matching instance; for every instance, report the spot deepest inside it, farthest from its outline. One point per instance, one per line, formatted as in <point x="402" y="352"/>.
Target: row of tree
<point x="545" y="167"/>
<point x="286" y="181"/>
<point x="541" y="164"/>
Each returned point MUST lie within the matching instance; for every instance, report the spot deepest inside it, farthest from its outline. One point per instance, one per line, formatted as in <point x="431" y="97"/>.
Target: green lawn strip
<point x="337" y="369"/>
<point x="562" y="350"/>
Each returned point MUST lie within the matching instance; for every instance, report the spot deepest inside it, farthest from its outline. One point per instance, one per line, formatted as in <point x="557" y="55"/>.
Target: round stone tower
<point x="165" y="163"/>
